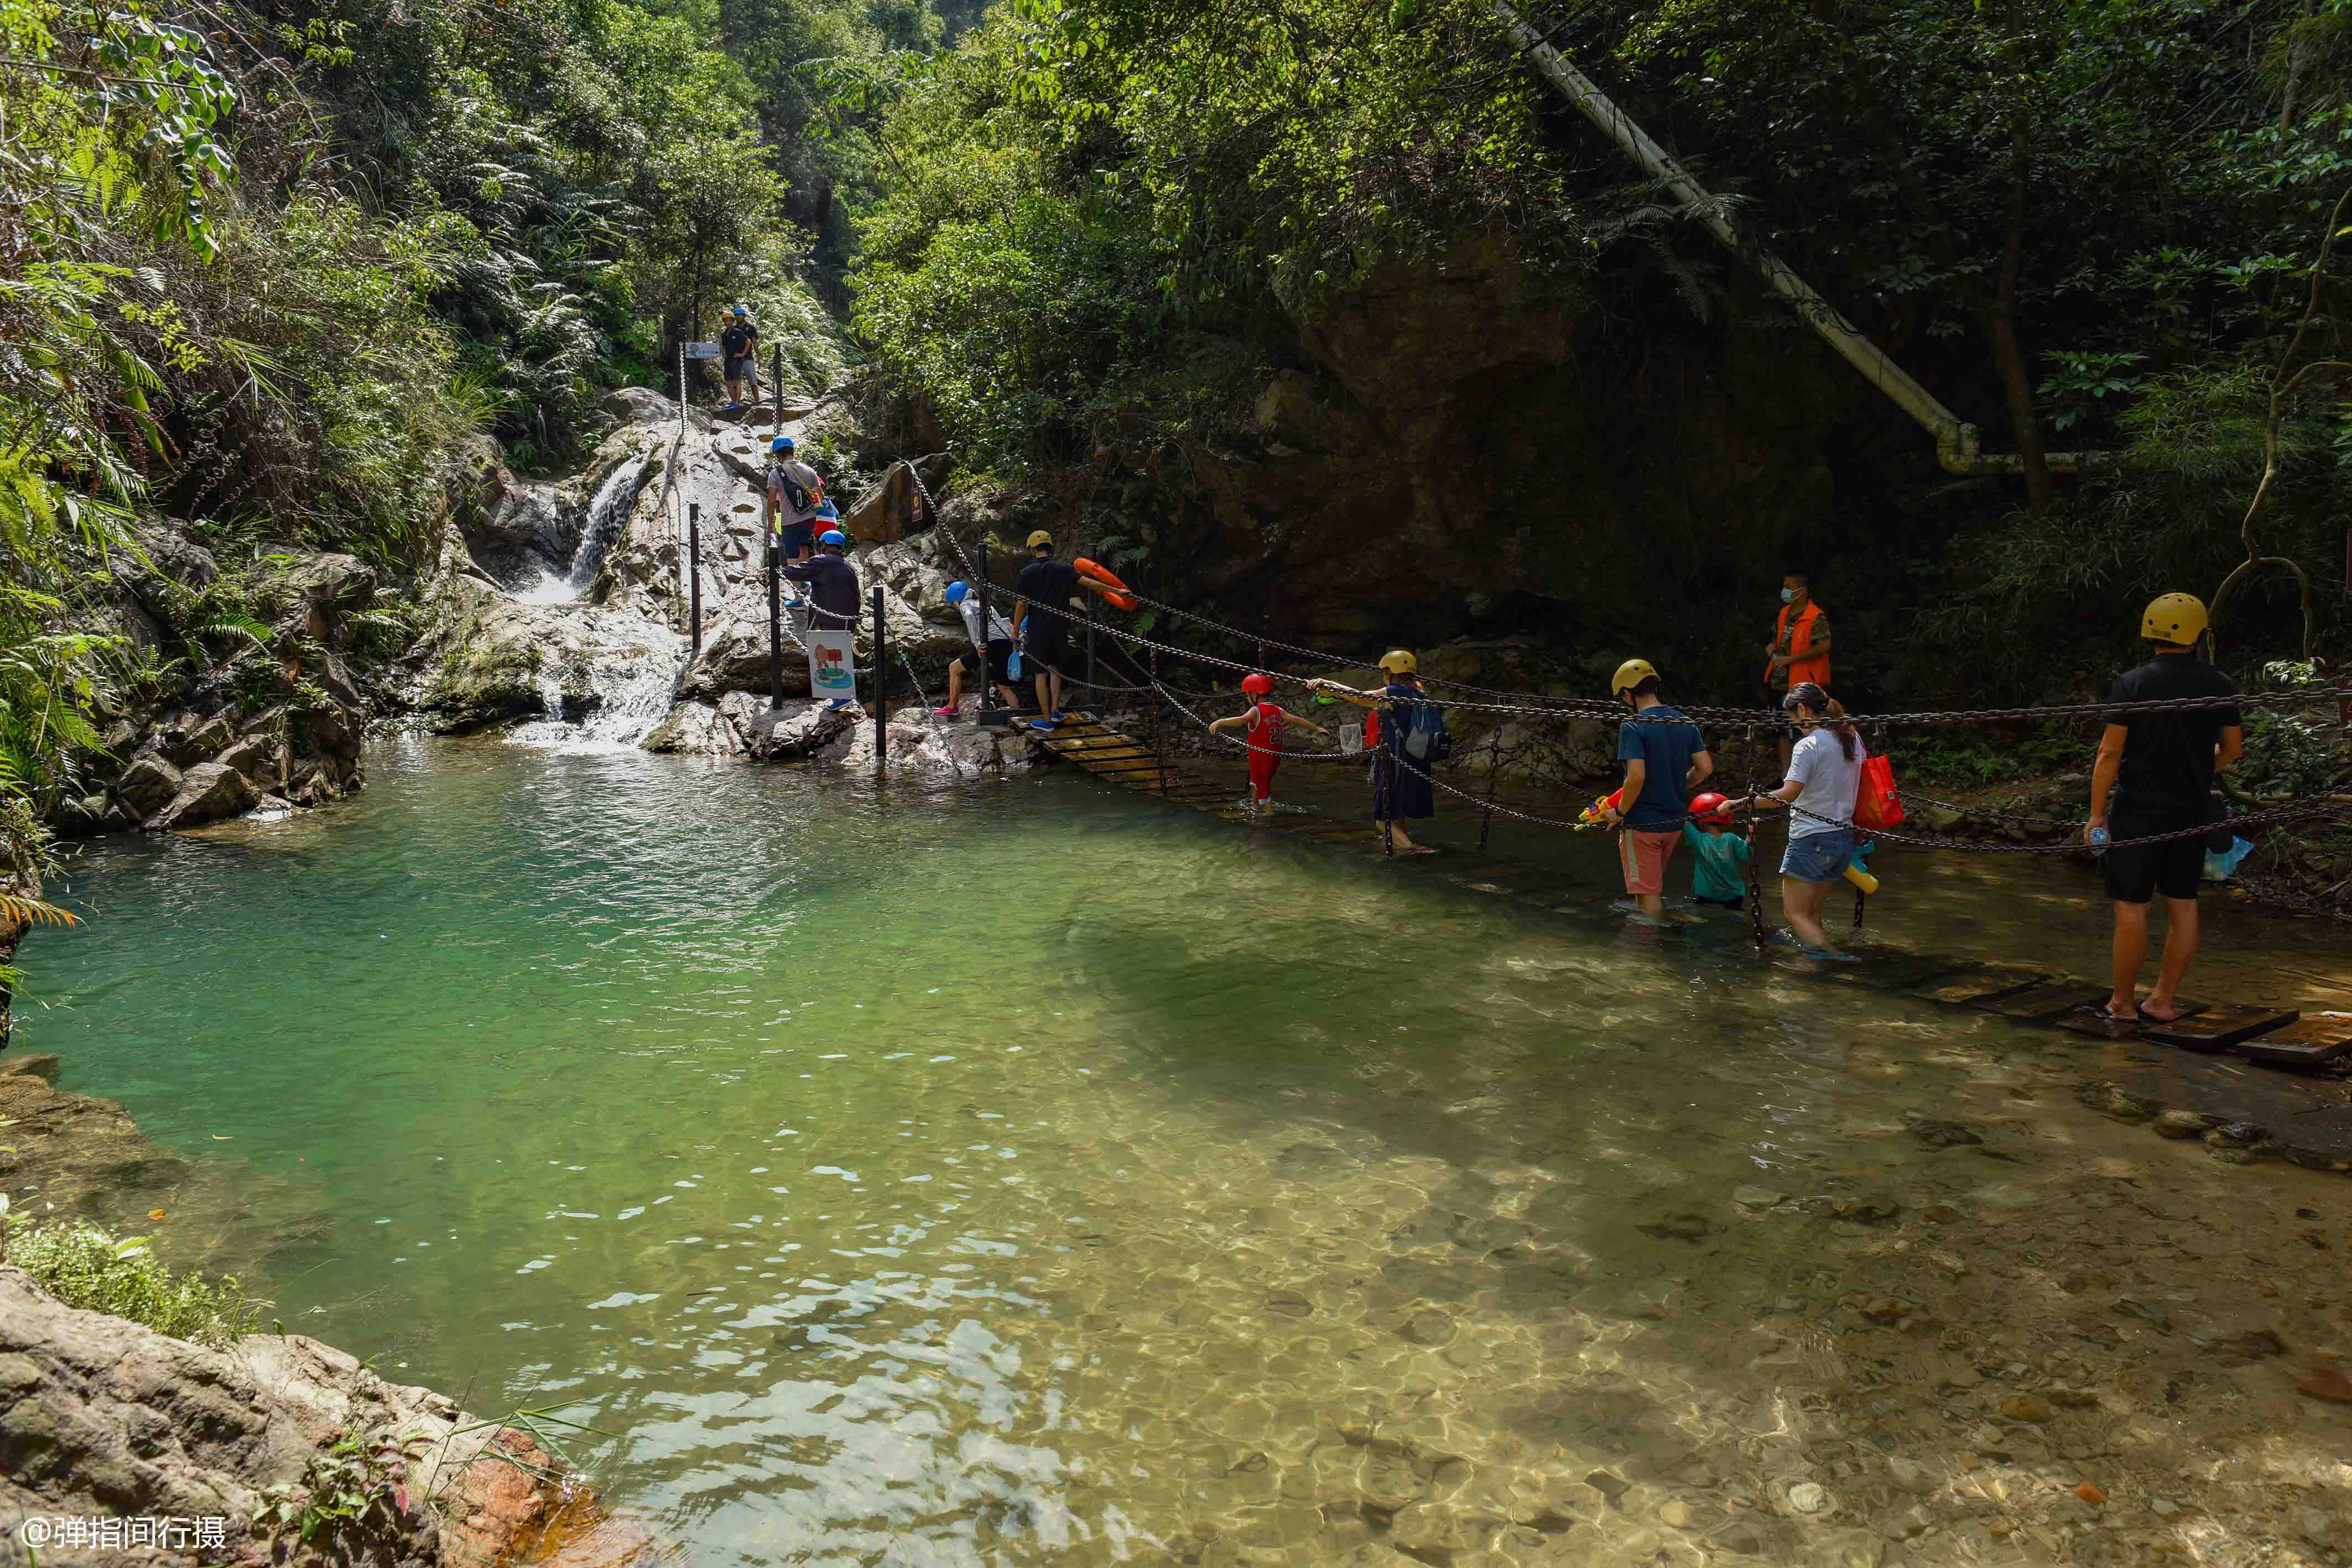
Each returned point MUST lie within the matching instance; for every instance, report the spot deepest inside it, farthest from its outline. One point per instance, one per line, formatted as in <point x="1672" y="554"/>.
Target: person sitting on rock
<point x="795" y="497"/>
<point x="995" y="650"/>
<point x="739" y="356"/>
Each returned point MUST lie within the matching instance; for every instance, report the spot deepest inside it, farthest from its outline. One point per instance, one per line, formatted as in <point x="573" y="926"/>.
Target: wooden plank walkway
<point x="2277" y="1038"/>
<point x="1119" y="759"/>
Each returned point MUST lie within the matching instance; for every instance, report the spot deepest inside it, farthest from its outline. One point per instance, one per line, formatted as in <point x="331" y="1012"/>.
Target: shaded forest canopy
<point x="1304" y="309"/>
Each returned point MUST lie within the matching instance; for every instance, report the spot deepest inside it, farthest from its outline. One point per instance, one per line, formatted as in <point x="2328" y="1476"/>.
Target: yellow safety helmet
<point x="1631" y="674"/>
<point x="2176" y="618"/>
<point x="1396" y="662"/>
<point x="1040" y="537"/>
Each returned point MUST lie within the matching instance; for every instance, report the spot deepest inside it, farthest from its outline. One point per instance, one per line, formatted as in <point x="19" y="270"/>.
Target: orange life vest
<point x="1801" y="668"/>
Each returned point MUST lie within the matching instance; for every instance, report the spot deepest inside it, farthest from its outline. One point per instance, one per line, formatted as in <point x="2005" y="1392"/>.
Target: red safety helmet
<point x="1257" y="685"/>
<point x="1710" y="807"/>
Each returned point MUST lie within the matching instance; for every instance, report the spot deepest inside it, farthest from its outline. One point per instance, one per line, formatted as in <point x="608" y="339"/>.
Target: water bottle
<point x="2098" y="838"/>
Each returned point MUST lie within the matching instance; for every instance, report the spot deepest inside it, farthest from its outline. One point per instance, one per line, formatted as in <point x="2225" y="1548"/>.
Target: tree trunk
<point x="2001" y="328"/>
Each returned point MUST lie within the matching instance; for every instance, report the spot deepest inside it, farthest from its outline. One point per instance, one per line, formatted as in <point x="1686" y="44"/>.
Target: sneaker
<point x="837" y="704"/>
<point x="1059" y="716"/>
<point x="949" y="712"/>
<point x="1041" y="726"/>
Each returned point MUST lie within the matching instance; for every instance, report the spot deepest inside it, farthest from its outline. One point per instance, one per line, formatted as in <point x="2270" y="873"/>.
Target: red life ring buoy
<point x="1121" y="598"/>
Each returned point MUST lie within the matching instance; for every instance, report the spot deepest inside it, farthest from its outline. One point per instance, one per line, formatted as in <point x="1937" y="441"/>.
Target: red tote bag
<point x="1877" y="804"/>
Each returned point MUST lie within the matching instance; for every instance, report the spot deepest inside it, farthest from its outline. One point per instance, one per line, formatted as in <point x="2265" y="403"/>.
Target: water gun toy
<point x="1596" y="815"/>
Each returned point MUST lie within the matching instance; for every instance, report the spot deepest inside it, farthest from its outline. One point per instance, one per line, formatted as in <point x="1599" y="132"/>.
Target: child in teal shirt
<point x="1718" y="856"/>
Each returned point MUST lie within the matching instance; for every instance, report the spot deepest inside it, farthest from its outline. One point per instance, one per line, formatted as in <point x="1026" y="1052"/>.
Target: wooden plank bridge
<point x="1121" y="758"/>
<point x="2272" y="1036"/>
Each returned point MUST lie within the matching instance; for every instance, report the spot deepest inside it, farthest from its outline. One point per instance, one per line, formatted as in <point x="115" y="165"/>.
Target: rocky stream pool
<point x="1008" y="1171"/>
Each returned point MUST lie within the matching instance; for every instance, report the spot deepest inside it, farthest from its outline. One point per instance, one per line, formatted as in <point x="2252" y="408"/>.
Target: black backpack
<point x="794" y="491"/>
<point x="1426" y="738"/>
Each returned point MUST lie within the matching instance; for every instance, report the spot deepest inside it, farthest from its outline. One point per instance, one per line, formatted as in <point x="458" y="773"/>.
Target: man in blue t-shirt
<point x="1665" y="758"/>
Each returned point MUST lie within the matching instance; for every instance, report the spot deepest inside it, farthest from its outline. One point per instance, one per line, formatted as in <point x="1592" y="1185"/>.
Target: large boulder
<point x="208" y="793"/>
<point x="147" y="786"/>
<point x="734" y="658"/>
<point x="259" y="758"/>
<point x="320" y="590"/>
<point x="890" y="508"/>
<point x="106" y="1418"/>
<point x="640" y="405"/>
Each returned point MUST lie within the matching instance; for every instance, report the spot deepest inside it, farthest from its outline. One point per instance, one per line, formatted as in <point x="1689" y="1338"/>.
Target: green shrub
<point x="84" y="1266"/>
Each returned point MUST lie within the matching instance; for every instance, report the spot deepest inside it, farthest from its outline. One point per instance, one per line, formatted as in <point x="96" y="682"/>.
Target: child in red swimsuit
<point x="1261" y="727"/>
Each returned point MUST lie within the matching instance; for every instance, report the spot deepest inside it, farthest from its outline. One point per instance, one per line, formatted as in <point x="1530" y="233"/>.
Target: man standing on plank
<point x="2160" y="767"/>
<point x="1046" y="585"/>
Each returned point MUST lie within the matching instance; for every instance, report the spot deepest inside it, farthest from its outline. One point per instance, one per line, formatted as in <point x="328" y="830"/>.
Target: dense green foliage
<point x="264" y="266"/>
<point x="2087" y="225"/>
<point x="1083" y="194"/>
<point x="86" y="1266"/>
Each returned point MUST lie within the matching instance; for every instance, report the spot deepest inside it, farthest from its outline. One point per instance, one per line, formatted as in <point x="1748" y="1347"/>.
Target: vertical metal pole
<point x="694" y="565"/>
<point x="1158" y="730"/>
<point x="775" y="390"/>
<point x="987" y="686"/>
<point x="881" y="669"/>
<point x="775" y="632"/>
<point x="1088" y="599"/>
<point x="1493" y="772"/>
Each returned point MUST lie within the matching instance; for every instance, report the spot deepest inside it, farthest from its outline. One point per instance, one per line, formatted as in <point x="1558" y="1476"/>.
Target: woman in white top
<point x="1824" y="776"/>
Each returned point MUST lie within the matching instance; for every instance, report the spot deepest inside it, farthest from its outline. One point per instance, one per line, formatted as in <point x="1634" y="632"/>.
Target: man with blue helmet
<point x="831" y="583"/>
<point x="795" y="495"/>
<point x="833" y="595"/>
<point x="996" y="650"/>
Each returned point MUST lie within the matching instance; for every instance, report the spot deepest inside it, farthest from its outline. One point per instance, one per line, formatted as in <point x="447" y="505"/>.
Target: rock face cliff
<point x="104" y="1420"/>
<point x="573" y="601"/>
<point x="259" y="710"/>
<point x="1457" y="441"/>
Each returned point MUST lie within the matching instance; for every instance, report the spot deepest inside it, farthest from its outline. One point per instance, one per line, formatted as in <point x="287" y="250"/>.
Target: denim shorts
<point x="1817" y="857"/>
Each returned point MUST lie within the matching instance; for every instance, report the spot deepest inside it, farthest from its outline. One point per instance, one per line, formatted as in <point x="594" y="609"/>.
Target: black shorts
<point x="998" y="651"/>
<point x="2174" y="869"/>
<point x="1047" y="643"/>
<point x="793" y="539"/>
<point x="746" y="369"/>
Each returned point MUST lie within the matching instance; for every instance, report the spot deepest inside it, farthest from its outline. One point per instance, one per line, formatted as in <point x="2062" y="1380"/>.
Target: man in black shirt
<point x="1045" y="637"/>
<point x="739" y="356"/>
<point x="2160" y="767"/>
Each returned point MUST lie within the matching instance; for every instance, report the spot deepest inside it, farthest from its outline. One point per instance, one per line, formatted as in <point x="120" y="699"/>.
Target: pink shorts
<point x="1642" y="857"/>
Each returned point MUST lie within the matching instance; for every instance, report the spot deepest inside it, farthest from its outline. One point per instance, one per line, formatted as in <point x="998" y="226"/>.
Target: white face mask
<point x="1788" y="596"/>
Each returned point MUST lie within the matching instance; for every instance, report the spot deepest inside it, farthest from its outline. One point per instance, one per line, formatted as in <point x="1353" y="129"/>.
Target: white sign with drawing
<point x="832" y="664"/>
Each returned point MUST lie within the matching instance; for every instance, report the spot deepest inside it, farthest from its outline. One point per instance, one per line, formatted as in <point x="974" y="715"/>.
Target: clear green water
<point x="1015" y="1171"/>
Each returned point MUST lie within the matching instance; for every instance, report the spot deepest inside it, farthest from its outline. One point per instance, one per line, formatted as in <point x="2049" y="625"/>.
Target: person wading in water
<point x="2160" y="767"/>
<point x="1824" y="777"/>
<point x="1401" y="789"/>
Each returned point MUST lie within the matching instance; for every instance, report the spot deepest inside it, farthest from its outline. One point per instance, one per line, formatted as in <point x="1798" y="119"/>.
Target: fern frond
<point x="33" y="911"/>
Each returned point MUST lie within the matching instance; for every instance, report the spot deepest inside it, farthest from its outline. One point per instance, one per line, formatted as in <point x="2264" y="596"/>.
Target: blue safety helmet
<point x="832" y="537"/>
<point x="957" y="592"/>
<point x="740" y="311"/>
<point x="781" y="444"/>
